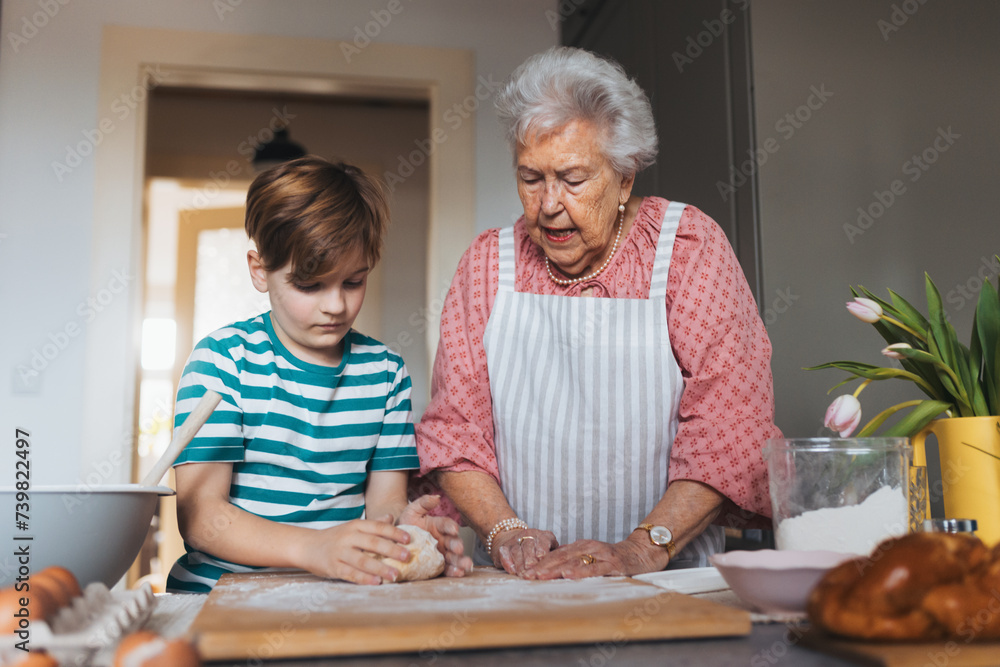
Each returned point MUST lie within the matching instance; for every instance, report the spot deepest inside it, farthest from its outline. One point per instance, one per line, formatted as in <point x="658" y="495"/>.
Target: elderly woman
<point x="603" y="379"/>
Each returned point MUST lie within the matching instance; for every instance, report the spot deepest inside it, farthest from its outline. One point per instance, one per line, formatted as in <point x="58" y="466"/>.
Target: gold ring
<point x="521" y="540"/>
<point x="587" y="559"/>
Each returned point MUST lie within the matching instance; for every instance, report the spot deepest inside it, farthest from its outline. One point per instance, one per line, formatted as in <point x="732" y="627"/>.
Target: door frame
<point x="188" y="229"/>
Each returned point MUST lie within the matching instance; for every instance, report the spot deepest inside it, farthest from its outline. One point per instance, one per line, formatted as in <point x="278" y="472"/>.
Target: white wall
<point x="49" y="72"/>
<point x="887" y="82"/>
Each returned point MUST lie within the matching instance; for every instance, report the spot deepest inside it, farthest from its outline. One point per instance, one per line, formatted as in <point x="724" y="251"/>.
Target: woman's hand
<point x="346" y="551"/>
<point x="590" y="558"/>
<point x="444" y="530"/>
<point x="516" y="551"/>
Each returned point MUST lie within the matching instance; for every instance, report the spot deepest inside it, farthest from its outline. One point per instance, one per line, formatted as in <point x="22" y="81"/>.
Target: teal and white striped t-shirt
<point x="302" y="438"/>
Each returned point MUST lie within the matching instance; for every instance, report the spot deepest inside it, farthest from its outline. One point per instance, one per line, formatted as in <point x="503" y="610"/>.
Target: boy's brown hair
<point x="311" y="212"/>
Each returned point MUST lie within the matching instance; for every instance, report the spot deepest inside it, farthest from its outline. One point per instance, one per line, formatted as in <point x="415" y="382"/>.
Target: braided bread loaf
<point x="919" y="586"/>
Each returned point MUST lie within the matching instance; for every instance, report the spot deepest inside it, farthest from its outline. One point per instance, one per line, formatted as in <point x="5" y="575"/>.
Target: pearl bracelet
<point x="506" y="524"/>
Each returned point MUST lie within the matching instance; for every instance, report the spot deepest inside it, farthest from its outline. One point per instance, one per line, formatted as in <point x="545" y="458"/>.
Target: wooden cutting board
<point x="932" y="654"/>
<point x="294" y="614"/>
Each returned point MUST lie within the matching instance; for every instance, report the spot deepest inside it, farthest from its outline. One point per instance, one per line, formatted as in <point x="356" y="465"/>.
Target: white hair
<point x="563" y="84"/>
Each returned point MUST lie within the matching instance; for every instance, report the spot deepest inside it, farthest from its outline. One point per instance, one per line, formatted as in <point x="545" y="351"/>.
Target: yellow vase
<point x="970" y="469"/>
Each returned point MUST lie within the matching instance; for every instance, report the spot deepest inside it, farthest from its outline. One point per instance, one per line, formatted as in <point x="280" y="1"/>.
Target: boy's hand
<point x="345" y="551"/>
<point x="444" y="530"/>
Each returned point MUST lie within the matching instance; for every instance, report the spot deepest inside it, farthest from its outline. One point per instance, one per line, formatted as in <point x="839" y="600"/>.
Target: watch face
<point x="660" y="535"/>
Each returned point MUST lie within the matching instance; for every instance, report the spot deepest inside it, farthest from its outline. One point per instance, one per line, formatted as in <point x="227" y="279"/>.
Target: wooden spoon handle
<point x="182" y="436"/>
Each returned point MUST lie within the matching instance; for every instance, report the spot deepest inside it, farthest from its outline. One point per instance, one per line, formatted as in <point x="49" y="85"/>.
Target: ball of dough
<point x="426" y="562"/>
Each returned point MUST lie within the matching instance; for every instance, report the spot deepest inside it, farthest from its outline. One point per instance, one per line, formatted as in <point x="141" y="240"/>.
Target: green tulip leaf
<point x="938" y="324"/>
<point x="966" y="382"/>
<point x="855" y="367"/>
<point x="916" y="419"/>
<point x="918" y="355"/>
<point x="908" y="311"/>
<point x="879" y="419"/>
<point x="841" y="384"/>
<point x="986" y="337"/>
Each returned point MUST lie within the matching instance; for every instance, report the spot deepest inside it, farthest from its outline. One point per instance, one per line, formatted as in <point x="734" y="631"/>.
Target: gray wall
<point x="895" y="84"/>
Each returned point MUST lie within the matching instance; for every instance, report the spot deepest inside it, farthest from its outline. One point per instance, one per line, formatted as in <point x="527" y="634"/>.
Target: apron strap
<point x="664" y="250"/>
<point x="506" y="278"/>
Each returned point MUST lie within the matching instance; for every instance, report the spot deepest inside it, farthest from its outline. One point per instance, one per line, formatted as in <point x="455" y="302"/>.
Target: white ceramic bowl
<point x="96" y="532"/>
<point x="776" y="581"/>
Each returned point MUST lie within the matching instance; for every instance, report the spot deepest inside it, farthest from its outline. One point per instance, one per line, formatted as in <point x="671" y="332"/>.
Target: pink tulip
<point x="865" y="310"/>
<point x="892" y="350"/>
<point x="843" y="415"/>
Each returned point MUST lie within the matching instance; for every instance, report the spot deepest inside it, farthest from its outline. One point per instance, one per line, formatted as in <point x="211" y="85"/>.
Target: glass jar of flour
<point x="838" y="494"/>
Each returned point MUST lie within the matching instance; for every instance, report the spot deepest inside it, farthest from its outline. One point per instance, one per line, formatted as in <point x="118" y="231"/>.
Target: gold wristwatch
<point x="660" y="536"/>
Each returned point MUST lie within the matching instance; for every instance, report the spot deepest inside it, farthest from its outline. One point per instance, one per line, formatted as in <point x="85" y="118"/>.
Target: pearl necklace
<point x="571" y="281"/>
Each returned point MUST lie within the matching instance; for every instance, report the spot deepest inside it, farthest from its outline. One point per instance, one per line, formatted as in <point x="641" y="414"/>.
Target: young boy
<point x="304" y="462"/>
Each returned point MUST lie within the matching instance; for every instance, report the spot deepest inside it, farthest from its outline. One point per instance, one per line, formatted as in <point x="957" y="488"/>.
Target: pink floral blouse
<point x="718" y="339"/>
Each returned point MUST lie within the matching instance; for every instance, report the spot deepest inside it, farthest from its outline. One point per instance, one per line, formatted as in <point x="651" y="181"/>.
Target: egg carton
<point x="94" y="621"/>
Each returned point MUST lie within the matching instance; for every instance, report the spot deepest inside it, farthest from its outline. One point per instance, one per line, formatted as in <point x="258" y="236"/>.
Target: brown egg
<point x="10" y="604"/>
<point x="53" y="587"/>
<point x="35" y="659"/>
<point x="41" y="606"/>
<point x="148" y="649"/>
<point x="65" y="578"/>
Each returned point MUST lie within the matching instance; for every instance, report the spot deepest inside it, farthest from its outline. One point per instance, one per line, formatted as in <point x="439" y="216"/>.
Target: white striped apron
<point x="586" y="393"/>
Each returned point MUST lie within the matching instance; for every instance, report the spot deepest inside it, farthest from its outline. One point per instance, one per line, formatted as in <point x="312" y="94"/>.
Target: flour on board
<point x="481" y="591"/>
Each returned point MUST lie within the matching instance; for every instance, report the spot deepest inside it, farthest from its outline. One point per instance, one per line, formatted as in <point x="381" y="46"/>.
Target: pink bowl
<point x="776" y="581"/>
